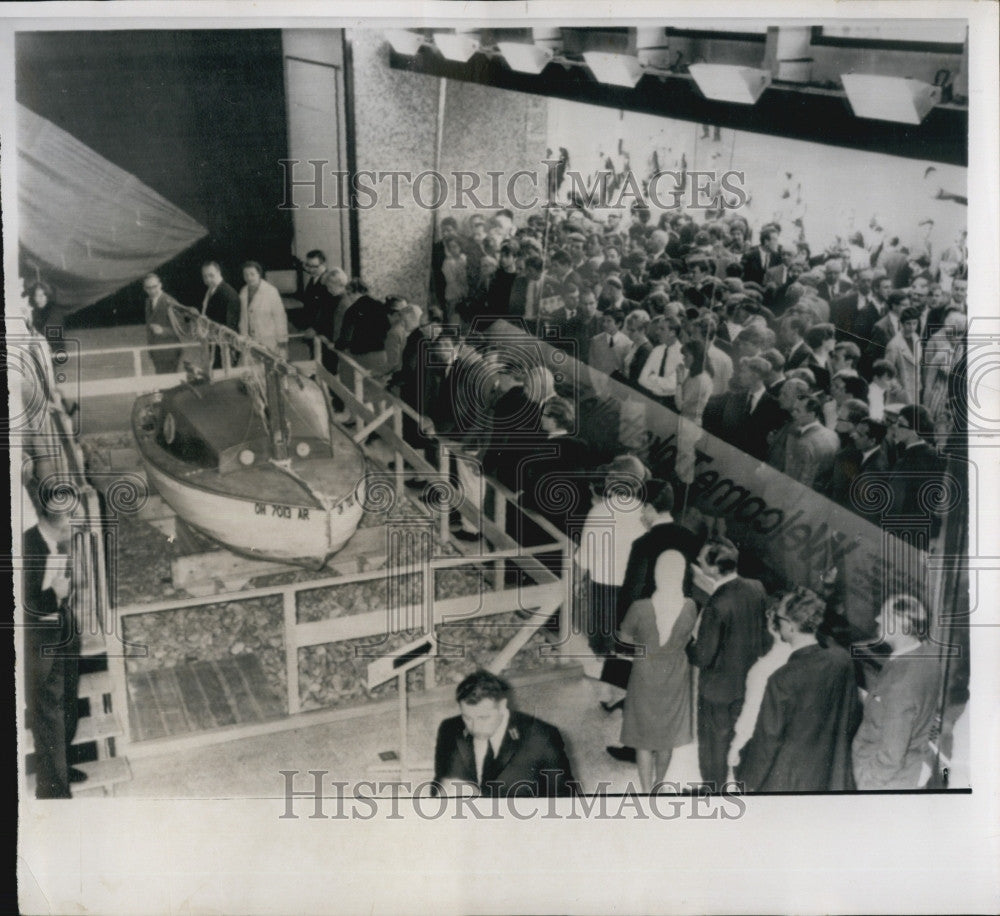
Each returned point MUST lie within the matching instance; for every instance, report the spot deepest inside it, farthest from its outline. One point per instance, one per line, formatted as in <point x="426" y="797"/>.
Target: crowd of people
<point x="832" y="368"/>
<point x="826" y="367"/>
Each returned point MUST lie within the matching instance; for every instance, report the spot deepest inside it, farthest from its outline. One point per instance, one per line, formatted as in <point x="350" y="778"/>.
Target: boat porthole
<point x="246" y="457"/>
<point x="169" y="429"/>
<point x="302" y="449"/>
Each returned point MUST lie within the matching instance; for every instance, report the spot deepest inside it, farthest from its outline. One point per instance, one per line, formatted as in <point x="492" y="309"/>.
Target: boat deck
<point x="336" y="477"/>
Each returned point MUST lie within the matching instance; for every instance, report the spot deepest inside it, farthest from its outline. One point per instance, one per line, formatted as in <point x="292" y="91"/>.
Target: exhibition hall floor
<point x="349" y="749"/>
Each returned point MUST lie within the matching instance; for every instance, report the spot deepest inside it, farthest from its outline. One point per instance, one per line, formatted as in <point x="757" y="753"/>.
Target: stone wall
<point x="395" y="118"/>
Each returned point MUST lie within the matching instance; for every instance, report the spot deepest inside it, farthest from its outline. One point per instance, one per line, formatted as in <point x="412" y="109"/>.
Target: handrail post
<point x="445" y="520"/>
<point x="500" y="519"/>
<point x="137" y="361"/>
<point x="397" y="428"/>
<point x="288" y="597"/>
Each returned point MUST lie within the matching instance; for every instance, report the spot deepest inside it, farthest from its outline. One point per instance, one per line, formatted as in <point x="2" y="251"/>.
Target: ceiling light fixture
<point x="890" y="98"/>
<point x="458" y="48"/>
<point x="730" y="82"/>
<point x="614" y="69"/>
<point x="525" y="58"/>
<point x="404" y="41"/>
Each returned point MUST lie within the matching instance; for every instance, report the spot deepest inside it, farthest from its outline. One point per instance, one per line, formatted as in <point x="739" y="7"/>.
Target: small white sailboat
<point x="255" y="461"/>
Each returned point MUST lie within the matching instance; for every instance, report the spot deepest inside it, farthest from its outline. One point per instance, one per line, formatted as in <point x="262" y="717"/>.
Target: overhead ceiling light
<point x="525" y="58"/>
<point x="730" y="82"/>
<point x="456" y="47"/>
<point x="890" y="98"/>
<point x="614" y="69"/>
<point x="404" y="42"/>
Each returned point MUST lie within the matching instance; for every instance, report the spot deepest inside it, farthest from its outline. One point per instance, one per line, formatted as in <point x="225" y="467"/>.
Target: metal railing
<point x="378" y="410"/>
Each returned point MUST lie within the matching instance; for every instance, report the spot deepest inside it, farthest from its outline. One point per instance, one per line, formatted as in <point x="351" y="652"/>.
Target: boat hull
<point x="260" y="512"/>
<point x="285" y="533"/>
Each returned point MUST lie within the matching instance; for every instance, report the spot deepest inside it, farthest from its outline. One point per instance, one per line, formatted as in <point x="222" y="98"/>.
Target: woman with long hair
<point x="40" y="302"/>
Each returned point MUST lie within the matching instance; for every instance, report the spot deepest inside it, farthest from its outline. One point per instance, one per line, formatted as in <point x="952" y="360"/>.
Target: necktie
<point x="611" y="342"/>
<point x="663" y="365"/>
<point x="489" y="765"/>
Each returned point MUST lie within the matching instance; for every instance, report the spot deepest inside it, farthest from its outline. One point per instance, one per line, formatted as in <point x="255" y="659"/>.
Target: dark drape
<point x="197" y="116"/>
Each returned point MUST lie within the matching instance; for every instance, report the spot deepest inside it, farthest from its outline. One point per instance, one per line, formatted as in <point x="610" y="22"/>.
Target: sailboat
<point x="254" y="461"/>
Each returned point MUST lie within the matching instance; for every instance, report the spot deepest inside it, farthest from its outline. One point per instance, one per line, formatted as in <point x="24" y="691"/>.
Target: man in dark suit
<point x="833" y="286"/>
<point x="221" y="303"/>
<point x="584" y="326"/>
<point x="364" y="328"/>
<point x="918" y="467"/>
<point x="758" y="261"/>
<point x="447" y="230"/>
<point x="51" y="652"/>
<point x="732" y="635"/>
<point x="501" y="284"/>
<point x="504" y="752"/>
<point x="323" y="304"/>
<point x="885" y="328"/>
<point x="794" y="331"/>
<point x="810" y="711"/>
<point x="516" y="421"/>
<point x="749" y="413"/>
<point x="846" y="311"/>
<point x="556" y="483"/>
<point x="872" y="466"/>
<point x="159" y="329"/>
<point x="526" y="290"/>
<point x="636" y="324"/>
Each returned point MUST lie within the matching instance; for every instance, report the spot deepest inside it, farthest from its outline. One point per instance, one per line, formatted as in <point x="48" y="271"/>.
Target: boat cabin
<point x="222" y="425"/>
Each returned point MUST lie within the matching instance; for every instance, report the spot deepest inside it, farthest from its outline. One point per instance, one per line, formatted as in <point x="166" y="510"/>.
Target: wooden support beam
<point x="220" y="567"/>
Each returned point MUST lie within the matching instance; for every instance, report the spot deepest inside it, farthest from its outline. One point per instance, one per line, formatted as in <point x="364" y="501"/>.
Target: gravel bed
<point x="210" y="632"/>
<point x="334" y="674"/>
